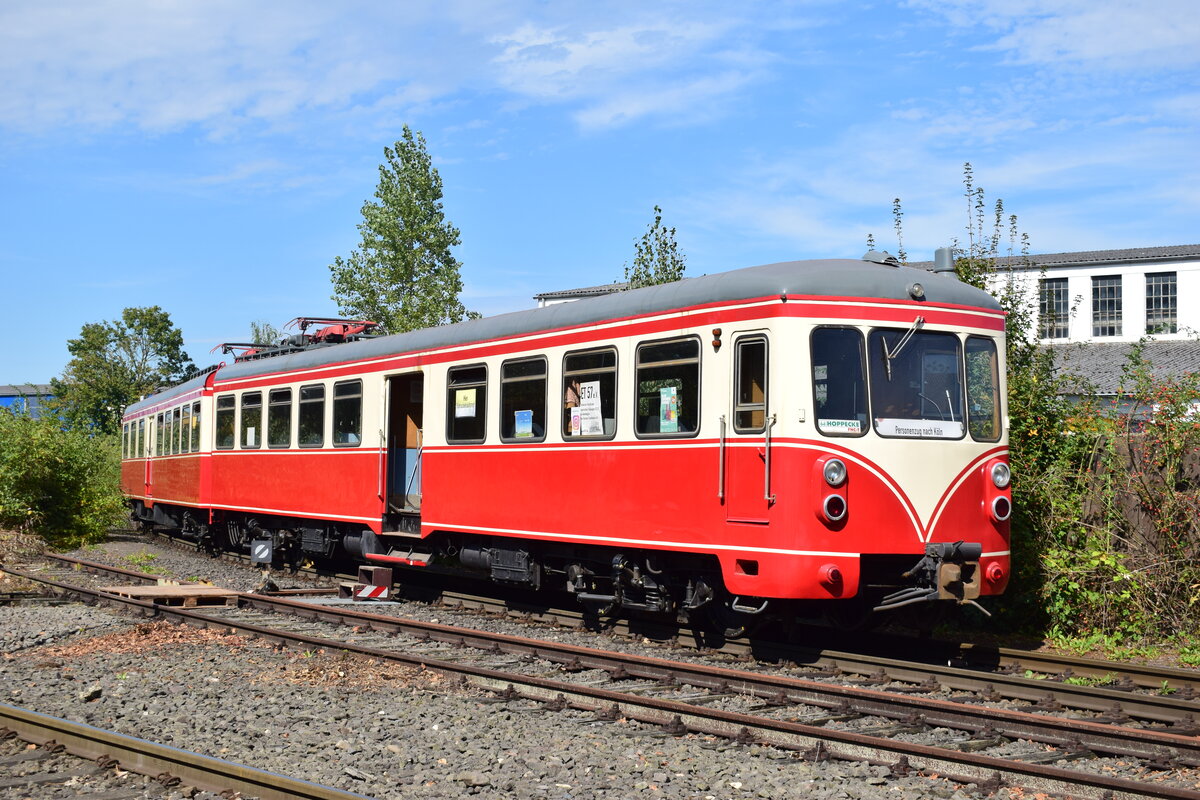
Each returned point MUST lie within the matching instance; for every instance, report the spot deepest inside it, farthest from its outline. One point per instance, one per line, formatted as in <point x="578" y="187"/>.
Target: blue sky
<point x="211" y="156"/>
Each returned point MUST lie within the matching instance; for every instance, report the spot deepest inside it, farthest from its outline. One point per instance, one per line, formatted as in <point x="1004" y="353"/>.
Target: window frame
<point x="300" y="401"/>
<point x="567" y="374"/>
<point x="230" y="403"/>
<point x="195" y="432"/>
<point x="765" y="405"/>
<point x="864" y="374"/>
<point x="273" y="403"/>
<point x="185" y="428"/>
<point x="243" y="406"/>
<point x="1108" y="321"/>
<point x="481" y="405"/>
<point x="960" y="370"/>
<point x="334" y="417"/>
<point x="507" y="381"/>
<point x="1053" y="322"/>
<point x="1162" y="295"/>
<point x="637" y="381"/>
<point x="998" y="404"/>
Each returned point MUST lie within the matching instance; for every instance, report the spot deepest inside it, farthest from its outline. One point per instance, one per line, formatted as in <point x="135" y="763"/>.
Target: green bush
<point x="63" y="485"/>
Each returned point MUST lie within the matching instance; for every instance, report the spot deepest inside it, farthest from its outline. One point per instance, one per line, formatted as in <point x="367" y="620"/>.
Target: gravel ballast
<point x="377" y="729"/>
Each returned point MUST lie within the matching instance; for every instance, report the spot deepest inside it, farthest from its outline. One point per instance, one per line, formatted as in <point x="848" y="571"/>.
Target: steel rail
<point x="169" y="765"/>
<point x="681" y="717"/>
<point x="1178" y="709"/>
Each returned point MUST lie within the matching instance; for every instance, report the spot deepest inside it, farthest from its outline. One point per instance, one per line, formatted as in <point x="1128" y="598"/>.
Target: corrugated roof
<point x="585" y="291"/>
<point x="1180" y="252"/>
<point x="26" y="389"/>
<point x="1102" y="364"/>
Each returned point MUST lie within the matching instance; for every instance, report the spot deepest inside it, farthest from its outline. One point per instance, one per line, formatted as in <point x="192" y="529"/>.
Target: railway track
<point x="1116" y="681"/>
<point x="909" y="716"/>
<point x="169" y="766"/>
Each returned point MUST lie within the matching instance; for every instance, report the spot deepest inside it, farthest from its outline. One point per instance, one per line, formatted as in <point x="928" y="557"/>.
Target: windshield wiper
<point x="900" y="345"/>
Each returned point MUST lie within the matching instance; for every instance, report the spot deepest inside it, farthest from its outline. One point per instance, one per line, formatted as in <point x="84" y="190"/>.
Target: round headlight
<point x="834" y="508"/>
<point x="835" y="472"/>
<point x="1001" y="475"/>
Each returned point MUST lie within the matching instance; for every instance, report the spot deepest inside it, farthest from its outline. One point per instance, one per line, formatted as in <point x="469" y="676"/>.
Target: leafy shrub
<point x="63" y="485"/>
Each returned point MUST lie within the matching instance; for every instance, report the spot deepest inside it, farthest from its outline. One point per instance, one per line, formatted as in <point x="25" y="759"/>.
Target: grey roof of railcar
<point x="827" y="277"/>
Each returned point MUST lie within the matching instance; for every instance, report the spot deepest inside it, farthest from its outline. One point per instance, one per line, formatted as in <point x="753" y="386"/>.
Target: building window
<point x="1053" y="308"/>
<point x="279" y="418"/>
<point x="1161" y="303"/>
<point x="523" y="400"/>
<point x="1106" y="305"/>
<point x="466" y="404"/>
<point x="668" y="388"/>
<point x="312" y="416"/>
<point x="347" y="414"/>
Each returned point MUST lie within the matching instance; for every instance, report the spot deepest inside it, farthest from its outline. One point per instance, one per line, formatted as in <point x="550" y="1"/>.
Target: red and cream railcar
<point x="820" y="430"/>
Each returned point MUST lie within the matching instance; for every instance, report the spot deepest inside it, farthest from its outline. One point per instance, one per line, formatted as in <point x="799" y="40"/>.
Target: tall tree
<point x="403" y="275"/>
<point x="264" y="333"/>
<point x="656" y="256"/>
<point x="114" y="363"/>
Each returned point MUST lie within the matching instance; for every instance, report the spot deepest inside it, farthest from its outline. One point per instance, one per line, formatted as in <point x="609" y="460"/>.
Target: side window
<point x="347" y="413"/>
<point x="185" y="431"/>
<point x="312" y="416"/>
<point x="159" y="436"/>
<point x="466" y="404"/>
<point x="839" y="382"/>
<point x="251" y="419"/>
<point x="196" y="427"/>
<point x="125" y="440"/>
<point x="668" y="388"/>
<point x="523" y="400"/>
<point x="983" y="389"/>
<point x="225" y="432"/>
<point x="141" y="438"/>
<point x="590" y="394"/>
<point x="176" y="425"/>
<point x="750" y="365"/>
<point x="279" y="418"/>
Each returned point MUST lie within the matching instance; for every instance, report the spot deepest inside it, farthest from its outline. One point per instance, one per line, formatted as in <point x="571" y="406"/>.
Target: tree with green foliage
<point x="264" y="334"/>
<point x="656" y="258"/>
<point x="60" y="483"/>
<point x="403" y="274"/>
<point x="114" y="363"/>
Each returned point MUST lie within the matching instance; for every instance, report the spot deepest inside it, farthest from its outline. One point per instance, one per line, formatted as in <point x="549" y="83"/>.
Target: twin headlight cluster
<point x="834" y="506"/>
<point x="1001" y="478"/>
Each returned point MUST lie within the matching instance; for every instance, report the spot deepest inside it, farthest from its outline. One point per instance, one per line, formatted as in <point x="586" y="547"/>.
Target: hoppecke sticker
<point x="839" y="426"/>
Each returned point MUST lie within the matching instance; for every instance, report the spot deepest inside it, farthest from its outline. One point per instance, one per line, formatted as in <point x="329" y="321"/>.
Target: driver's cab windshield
<point x="916" y="384"/>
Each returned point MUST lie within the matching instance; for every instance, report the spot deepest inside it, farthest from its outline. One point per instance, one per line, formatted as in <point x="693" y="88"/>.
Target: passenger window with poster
<point x="523" y="400"/>
<point x="916" y="384"/>
<point x="839" y="382"/>
<point x="225" y="430"/>
<point x="668" y="388"/>
<point x="347" y="414"/>
<point x="589" y="409"/>
<point x="466" y="404"/>
<point x="251" y="420"/>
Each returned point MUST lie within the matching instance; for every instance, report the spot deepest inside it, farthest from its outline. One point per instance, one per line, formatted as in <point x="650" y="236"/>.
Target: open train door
<point x="747" y="468"/>
<point x="403" y="479"/>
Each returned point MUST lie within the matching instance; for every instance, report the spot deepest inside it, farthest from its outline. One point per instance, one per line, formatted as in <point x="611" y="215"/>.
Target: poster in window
<point x="591" y="423"/>
<point x="464" y="403"/>
<point x="668" y="410"/>
<point x="524" y="424"/>
<point x="576" y="421"/>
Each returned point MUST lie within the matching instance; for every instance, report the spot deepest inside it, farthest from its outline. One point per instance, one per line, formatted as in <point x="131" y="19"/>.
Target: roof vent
<point x="876" y="257"/>
<point x="943" y="259"/>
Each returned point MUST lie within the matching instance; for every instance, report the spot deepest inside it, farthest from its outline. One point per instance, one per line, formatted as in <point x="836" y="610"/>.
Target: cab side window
<point x="668" y="388"/>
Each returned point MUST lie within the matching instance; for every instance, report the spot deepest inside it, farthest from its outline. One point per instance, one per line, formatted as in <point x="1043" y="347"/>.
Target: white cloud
<point x="1112" y="34"/>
